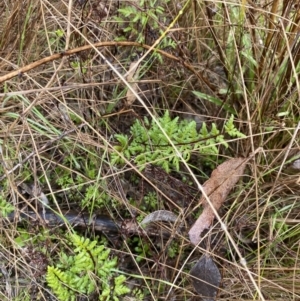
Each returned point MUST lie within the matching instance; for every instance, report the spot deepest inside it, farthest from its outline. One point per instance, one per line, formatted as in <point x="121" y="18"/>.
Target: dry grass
<point x="59" y="118"/>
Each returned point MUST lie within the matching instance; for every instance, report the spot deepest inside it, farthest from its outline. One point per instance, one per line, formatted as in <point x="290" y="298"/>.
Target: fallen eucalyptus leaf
<point x="206" y="278"/>
<point x="217" y="188"/>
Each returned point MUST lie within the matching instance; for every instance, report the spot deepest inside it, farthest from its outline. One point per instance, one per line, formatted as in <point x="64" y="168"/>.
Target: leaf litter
<point x="160" y="216"/>
<point x="131" y="77"/>
<point x="217" y="188"/>
<point x="206" y="278"/>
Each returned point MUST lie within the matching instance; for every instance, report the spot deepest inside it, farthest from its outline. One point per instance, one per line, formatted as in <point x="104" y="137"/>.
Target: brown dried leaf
<point x="130" y="96"/>
<point x="206" y="278"/>
<point x="132" y="76"/>
<point x="217" y="188"/>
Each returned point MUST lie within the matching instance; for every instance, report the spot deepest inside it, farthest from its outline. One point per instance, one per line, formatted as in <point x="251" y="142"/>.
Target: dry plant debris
<point x="131" y="77"/>
<point x="160" y="216"/>
<point x="50" y="69"/>
<point x="217" y="188"/>
<point x="206" y="278"/>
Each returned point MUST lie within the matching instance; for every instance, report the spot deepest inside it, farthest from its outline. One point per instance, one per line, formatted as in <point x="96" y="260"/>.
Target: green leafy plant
<point x="150" y="201"/>
<point x="96" y="197"/>
<point x="149" y="144"/>
<point x="56" y="39"/>
<point x="173" y="249"/>
<point x="148" y="204"/>
<point x="79" y="66"/>
<point x="91" y="269"/>
<point x="25" y="238"/>
<point x="6" y="208"/>
<point x="142" y="249"/>
<point x="141" y="20"/>
<point x="91" y="195"/>
<point x="65" y="180"/>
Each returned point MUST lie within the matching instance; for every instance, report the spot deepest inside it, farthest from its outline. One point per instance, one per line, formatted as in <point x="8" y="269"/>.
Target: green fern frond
<point x="127" y="11"/>
<point x="150" y="145"/>
<point x="232" y="130"/>
<point x="58" y="281"/>
<point x="120" y="289"/>
<point x="78" y="273"/>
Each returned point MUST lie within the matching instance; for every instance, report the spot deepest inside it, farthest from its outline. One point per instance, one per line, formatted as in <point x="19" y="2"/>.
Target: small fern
<point x="58" y="281"/>
<point x="232" y="130"/>
<point x="91" y="269"/>
<point x="149" y="145"/>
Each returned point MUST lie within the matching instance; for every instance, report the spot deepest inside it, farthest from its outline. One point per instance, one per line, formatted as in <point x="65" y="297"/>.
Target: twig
<point x="60" y="55"/>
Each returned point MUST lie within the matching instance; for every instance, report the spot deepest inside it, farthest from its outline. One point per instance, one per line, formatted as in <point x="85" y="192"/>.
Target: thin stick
<point x="60" y="55"/>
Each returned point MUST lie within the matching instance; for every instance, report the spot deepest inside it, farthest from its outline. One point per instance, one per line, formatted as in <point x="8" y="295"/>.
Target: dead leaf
<point x="217" y="188"/>
<point x="160" y="216"/>
<point x="131" y="77"/>
<point x="206" y="278"/>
